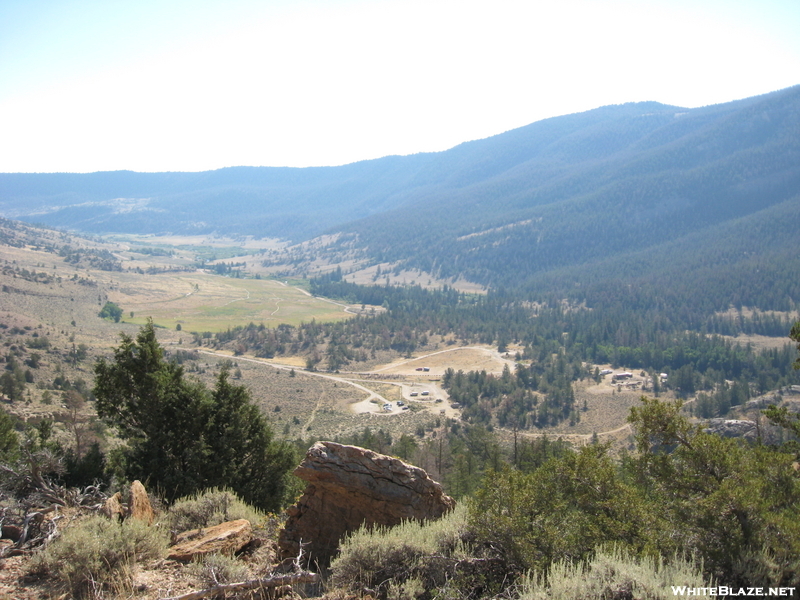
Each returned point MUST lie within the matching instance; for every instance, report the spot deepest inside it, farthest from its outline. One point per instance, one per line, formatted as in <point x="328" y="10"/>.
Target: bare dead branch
<point x="267" y="582"/>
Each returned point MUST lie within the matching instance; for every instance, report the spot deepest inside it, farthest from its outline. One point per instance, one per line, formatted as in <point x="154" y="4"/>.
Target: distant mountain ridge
<point x="561" y="193"/>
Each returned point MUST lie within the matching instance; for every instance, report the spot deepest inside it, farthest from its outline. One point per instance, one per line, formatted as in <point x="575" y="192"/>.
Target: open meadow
<point x="204" y="302"/>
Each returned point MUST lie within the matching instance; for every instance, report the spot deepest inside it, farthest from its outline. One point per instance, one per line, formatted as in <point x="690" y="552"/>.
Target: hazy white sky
<point x="190" y="85"/>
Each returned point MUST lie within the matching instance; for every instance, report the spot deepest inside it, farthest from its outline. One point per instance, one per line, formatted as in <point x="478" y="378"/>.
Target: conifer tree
<point x="180" y="437"/>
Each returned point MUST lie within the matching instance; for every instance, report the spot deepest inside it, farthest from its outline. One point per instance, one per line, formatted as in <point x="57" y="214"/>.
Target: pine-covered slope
<point x="555" y="200"/>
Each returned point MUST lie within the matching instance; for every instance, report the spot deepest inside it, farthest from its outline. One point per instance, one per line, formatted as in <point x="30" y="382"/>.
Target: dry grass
<point x="760" y="342"/>
<point x="471" y="358"/>
<point x="204" y="302"/>
<point x="200" y="240"/>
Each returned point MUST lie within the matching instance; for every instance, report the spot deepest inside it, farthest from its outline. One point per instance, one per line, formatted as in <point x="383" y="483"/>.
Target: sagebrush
<point x="98" y="555"/>
<point x="412" y="554"/>
<point x="209" y="508"/>
<point x="613" y="574"/>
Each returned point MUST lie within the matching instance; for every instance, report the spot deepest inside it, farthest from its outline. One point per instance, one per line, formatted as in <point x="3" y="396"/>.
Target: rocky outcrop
<point x="732" y="428"/>
<point x="141" y="508"/>
<point x="762" y="402"/>
<point x="225" y="538"/>
<point x="351" y="486"/>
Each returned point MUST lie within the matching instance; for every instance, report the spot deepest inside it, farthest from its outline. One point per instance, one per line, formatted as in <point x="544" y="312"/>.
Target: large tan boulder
<point x="225" y="538"/>
<point x="141" y="508"/>
<point x="349" y="487"/>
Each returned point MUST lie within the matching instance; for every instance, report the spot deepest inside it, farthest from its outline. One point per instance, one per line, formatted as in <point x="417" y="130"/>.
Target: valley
<point x="47" y="297"/>
<point x="585" y="327"/>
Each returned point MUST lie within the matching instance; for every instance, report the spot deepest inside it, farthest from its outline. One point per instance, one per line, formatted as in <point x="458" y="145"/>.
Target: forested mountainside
<point x="613" y="178"/>
<point x="750" y="261"/>
<point x="634" y="178"/>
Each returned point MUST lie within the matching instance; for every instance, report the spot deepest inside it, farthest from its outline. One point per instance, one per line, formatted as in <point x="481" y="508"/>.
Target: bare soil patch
<point x="380" y="274"/>
<point x="759" y="342"/>
<point x="472" y="358"/>
<point x="203" y="240"/>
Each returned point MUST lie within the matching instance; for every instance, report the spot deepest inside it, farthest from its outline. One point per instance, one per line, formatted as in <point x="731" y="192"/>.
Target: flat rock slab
<point x="224" y="538"/>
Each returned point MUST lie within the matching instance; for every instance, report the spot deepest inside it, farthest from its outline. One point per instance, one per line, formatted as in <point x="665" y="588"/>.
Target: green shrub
<point x="391" y="559"/>
<point x="97" y="555"/>
<point x="564" y="509"/>
<point x="209" y="508"/>
<point x="734" y="504"/>
<point x="612" y="574"/>
<point x="110" y="311"/>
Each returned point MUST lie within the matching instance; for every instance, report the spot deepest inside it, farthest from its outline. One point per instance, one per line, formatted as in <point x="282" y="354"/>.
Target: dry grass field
<point x="204" y="302"/>
<point x="212" y="241"/>
<point x="472" y="358"/>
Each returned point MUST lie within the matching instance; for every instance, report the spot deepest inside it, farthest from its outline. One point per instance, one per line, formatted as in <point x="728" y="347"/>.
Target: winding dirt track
<point x="371" y="395"/>
<point x="361" y="405"/>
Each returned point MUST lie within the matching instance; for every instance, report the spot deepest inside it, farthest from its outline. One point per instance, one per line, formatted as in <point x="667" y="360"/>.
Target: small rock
<point x="113" y="507"/>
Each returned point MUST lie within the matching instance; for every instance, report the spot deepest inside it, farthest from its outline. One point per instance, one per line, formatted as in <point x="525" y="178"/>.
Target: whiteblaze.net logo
<point x="723" y="590"/>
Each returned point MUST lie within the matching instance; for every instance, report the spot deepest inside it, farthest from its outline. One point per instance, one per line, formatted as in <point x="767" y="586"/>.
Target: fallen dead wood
<point x="267" y="582"/>
<point x="34" y="531"/>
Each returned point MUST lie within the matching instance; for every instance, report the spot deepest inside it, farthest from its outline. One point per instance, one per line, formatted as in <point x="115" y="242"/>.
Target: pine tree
<point x="181" y="437"/>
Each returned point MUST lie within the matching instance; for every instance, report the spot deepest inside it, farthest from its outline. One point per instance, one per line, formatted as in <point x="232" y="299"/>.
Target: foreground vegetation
<point x="688" y="508"/>
<point x="674" y="504"/>
<point x="182" y="438"/>
<point x="98" y="557"/>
